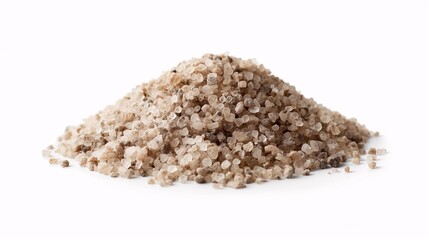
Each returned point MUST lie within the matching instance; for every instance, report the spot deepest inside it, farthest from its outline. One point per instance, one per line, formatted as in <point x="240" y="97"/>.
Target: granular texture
<point x="216" y="119"/>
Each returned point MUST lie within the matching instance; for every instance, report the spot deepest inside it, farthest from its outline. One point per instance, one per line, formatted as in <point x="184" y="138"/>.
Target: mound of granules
<point x="216" y="119"/>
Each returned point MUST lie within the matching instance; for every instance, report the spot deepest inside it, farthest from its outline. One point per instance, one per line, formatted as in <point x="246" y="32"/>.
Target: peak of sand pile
<point x="215" y="119"/>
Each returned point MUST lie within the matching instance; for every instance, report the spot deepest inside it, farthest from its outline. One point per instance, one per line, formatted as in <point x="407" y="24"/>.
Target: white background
<point x="61" y="61"/>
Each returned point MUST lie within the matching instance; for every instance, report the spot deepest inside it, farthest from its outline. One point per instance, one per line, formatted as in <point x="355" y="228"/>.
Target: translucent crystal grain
<point x="53" y="161"/>
<point x="197" y="77"/>
<point x="248" y="75"/>
<point x="306" y="172"/>
<point x="372" y="165"/>
<point x="155" y="143"/>
<point x="242" y="84"/>
<point x="273" y="117"/>
<point x="225" y="164"/>
<point x="256" y="153"/>
<point x="178" y="109"/>
<point x="239" y="107"/>
<point x="317" y="127"/>
<point x="227" y="69"/>
<point x="248" y="147"/>
<point x="212" y="79"/>
<point x="198" y="126"/>
<point x="283" y="116"/>
<point x="229" y="117"/>
<point x="269" y="104"/>
<point x="151" y="180"/>
<point x="288" y="171"/>
<point x="185" y="160"/>
<point x="206" y="162"/>
<point x="184" y="131"/>
<point x="183" y="179"/>
<point x="172" y="168"/>
<point x="236" y="161"/>
<point x="65" y="163"/>
<point x="314" y="145"/>
<point x="254" y="109"/>
<point x="208" y="90"/>
<point x="213" y="152"/>
<point x="356" y="160"/>
<point x="212" y="99"/>
<point x="275" y="127"/>
<point x="306" y="148"/>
